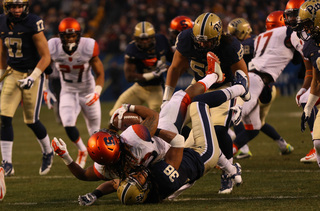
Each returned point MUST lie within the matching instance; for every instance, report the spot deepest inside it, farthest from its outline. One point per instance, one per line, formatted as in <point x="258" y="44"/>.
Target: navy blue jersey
<point x="311" y="51"/>
<point x="229" y="51"/>
<point x="248" y="48"/>
<point x="166" y="180"/>
<point x="22" y="53"/>
<point x="146" y="61"/>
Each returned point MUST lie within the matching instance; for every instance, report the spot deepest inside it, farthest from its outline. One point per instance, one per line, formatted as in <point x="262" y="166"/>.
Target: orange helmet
<point x="274" y="20"/>
<point x="177" y="25"/>
<point x="291" y="12"/>
<point x="104" y="147"/>
<point x="67" y="27"/>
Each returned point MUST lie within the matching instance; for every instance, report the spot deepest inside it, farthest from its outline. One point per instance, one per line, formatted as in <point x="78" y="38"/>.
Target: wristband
<point x="168" y="92"/>
<point x="36" y="73"/>
<point x="132" y="108"/>
<point x="177" y="141"/>
<point x="148" y="76"/>
<point x="98" y="89"/>
<point x="312" y="99"/>
<point x="157" y="132"/>
<point x="67" y="159"/>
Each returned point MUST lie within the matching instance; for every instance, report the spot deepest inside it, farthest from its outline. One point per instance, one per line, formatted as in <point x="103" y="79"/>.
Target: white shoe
<point x="310" y="157"/>
<point x="82" y="158"/>
<point x="180" y="190"/>
<point x="3" y="189"/>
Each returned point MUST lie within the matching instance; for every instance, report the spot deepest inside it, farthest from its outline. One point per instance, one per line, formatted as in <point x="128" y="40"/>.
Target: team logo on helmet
<point x="239" y="28"/>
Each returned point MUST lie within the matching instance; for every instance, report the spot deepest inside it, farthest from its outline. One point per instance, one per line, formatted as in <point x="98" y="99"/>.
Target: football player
<point x="24" y="56"/>
<point x="241" y="29"/>
<point x="75" y="57"/>
<point x="145" y="61"/>
<point x="308" y="23"/>
<point x="277" y="40"/>
<point x="290" y="17"/>
<point x="177" y="25"/>
<point x="192" y="46"/>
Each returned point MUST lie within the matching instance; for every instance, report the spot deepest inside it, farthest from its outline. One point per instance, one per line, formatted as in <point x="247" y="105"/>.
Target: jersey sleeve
<point x="96" y="50"/>
<point x="36" y="23"/>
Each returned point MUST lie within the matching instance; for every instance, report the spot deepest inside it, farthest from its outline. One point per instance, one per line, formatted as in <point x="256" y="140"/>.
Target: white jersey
<point x="144" y="150"/>
<point x="75" y="70"/>
<point x="271" y="54"/>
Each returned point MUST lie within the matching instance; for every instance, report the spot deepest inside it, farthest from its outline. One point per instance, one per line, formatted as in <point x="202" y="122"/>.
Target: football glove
<point x="161" y="68"/>
<point x="87" y="199"/>
<point x="214" y="66"/>
<point x="60" y="148"/>
<point x="120" y="111"/>
<point x="298" y="95"/>
<point x="236" y="114"/>
<point x="26" y="83"/>
<point x="92" y="98"/>
<point x="48" y="96"/>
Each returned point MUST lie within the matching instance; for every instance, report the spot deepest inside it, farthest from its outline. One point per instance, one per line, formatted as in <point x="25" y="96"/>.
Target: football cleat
<point x="310" y="157"/>
<point x="8" y="168"/>
<point x="47" y="160"/>
<point x="287" y="150"/>
<point x="214" y="66"/>
<point x="3" y="189"/>
<point x="236" y="178"/>
<point x="82" y="158"/>
<point x="87" y="199"/>
<point x="242" y="79"/>
<point x="226" y="184"/>
<point x="242" y="155"/>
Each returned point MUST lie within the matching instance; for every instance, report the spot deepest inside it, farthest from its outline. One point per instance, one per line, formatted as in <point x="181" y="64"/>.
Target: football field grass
<point x="271" y="181"/>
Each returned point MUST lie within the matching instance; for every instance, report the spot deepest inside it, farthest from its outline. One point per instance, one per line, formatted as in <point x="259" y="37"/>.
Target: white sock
<point x="281" y="143"/>
<point x="208" y="80"/>
<point x="316" y="144"/>
<point x="226" y="165"/>
<point x="45" y="145"/>
<point x="80" y="145"/>
<point x="6" y="150"/>
<point x="232" y="134"/>
<point x="234" y="91"/>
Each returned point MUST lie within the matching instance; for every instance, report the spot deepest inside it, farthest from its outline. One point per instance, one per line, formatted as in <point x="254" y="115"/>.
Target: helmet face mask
<point x="144" y="36"/>
<point x="308" y="21"/>
<point x="104" y="147"/>
<point x="8" y="4"/>
<point x="206" y="32"/>
<point x="240" y="28"/>
<point x="69" y="33"/>
<point x="291" y="12"/>
<point x="135" y="188"/>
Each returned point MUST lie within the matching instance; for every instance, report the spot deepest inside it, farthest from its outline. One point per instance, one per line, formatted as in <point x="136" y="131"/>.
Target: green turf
<point x="271" y="181"/>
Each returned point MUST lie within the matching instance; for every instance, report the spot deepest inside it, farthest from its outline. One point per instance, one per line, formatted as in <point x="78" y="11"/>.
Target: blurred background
<point x="111" y="23"/>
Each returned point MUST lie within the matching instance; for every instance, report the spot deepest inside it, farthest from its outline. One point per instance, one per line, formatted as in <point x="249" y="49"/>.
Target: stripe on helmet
<point x="203" y="26"/>
<point x="124" y="193"/>
<point x="143" y="27"/>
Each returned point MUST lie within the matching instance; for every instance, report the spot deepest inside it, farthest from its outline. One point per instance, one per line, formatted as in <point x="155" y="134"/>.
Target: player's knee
<point x="72" y="133"/>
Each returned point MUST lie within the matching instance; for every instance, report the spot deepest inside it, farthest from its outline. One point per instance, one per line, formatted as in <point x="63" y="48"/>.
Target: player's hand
<point x="48" y="96"/>
<point x="298" y="95"/>
<point x="304" y="119"/>
<point x="119" y="112"/>
<point x="92" y="98"/>
<point x="236" y="114"/>
<point x="26" y="83"/>
<point x="214" y="66"/>
<point x="161" y="68"/>
<point x="59" y="147"/>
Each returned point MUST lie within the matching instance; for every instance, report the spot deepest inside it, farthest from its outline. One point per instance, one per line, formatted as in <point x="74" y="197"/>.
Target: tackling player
<point x="308" y="23"/>
<point x="24" y="55"/>
<point x="278" y="45"/>
<point x="145" y="61"/>
<point x="192" y="47"/>
<point x="74" y="57"/>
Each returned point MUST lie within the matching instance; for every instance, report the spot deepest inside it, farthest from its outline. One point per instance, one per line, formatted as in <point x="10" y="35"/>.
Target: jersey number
<point x="10" y="42"/>
<point x="67" y="69"/>
<point x="268" y="36"/>
<point x="171" y="173"/>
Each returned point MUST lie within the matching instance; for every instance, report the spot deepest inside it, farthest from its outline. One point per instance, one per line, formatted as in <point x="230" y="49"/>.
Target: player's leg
<point x="92" y="117"/>
<point x="32" y="100"/>
<point x="154" y="97"/>
<point x="10" y="99"/>
<point x="316" y="137"/>
<point x="69" y="111"/>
